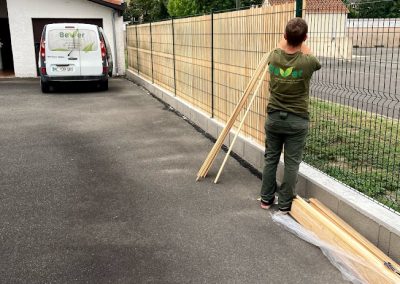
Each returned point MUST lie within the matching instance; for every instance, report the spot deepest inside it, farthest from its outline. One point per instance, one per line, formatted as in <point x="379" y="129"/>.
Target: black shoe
<point x="267" y="204"/>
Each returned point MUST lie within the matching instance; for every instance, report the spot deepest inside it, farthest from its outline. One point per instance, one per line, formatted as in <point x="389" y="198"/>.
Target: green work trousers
<point x="286" y="130"/>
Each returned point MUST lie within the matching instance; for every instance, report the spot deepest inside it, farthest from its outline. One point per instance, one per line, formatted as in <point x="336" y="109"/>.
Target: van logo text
<point x="75" y="34"/>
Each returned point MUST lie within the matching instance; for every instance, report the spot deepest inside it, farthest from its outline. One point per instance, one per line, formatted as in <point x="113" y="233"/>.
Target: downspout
<point x="115" y="43"/>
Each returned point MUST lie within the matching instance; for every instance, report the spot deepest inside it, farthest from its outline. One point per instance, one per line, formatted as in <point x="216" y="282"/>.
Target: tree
<point x="163" y="12"/>
<point x="246" y="3"/>
<point x="220" y="5"/>
<point x="180" y="8"/>
<point x="395" y="10"/>
<point x="216" y="5"/>
<point x="373" y="9"/>
<point x="146" y="10"/>
<point x="152" y="10"/>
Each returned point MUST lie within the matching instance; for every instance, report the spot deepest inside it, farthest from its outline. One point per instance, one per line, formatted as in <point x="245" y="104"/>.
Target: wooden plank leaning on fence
<point x="362" y="257"/>
<point x="260" y="82"/>
<point x="231" y="121"/>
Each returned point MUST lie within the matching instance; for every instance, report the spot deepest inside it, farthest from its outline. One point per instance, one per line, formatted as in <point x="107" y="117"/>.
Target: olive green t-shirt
<point x="290" y="81"/>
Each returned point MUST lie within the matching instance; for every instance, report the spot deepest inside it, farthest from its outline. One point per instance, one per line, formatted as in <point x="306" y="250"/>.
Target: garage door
<point x="38" y="25"/>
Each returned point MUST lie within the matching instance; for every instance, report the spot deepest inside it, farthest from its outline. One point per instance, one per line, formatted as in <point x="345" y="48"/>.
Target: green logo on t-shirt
<point x="285" y="73"/>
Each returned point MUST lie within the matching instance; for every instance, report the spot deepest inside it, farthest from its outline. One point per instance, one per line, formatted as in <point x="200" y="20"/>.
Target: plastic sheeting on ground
<point x="340" y="259"/>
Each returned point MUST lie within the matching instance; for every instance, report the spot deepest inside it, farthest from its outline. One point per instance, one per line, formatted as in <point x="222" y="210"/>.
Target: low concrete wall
<point x="378" y="224"/>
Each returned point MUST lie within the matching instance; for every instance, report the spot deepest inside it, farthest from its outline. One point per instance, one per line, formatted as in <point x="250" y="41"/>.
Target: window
<point x="68" y="39"/>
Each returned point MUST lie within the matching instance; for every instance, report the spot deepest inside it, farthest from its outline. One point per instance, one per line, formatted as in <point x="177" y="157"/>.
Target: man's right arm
<point x="306" y="50"/>
<point x="315" y="63"/>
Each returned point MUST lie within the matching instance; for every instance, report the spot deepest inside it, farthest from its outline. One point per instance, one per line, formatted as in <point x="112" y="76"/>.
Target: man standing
<point x="291" y="66"/>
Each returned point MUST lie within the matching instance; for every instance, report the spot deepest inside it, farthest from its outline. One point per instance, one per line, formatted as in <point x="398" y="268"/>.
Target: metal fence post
<point x="151" y="55"/>
<point x="212" y="64"/>
<point x="137" y="50"/>
<point x="299" y="8"/>
<point x="173" y="53"/>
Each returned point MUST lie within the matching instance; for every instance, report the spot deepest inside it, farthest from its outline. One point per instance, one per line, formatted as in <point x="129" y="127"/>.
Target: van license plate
<point x="62" y="68"/>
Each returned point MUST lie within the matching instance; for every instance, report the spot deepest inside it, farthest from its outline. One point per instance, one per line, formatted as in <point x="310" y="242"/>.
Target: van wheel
<point x="104" y="85"/>
<point x="44" y="86"/>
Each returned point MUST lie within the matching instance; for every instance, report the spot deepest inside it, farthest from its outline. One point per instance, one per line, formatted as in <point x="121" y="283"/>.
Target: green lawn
<point x="359" y="148"/>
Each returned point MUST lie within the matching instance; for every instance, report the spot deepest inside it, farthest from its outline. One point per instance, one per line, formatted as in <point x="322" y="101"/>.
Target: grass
<point x="358" y="148"/>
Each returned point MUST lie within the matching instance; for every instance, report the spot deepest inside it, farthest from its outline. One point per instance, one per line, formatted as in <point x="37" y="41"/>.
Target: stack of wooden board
<point x="363" y="258"/>
<point x="258" y="75"/>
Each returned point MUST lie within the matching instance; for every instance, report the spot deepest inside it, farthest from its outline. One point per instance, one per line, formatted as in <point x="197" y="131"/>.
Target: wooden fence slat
<point x="240" y="39"/>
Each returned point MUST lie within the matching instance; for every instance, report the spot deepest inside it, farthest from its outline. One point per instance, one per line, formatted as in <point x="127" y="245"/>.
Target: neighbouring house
<point x="328" y="35"/>
<point x="22" y="22"/>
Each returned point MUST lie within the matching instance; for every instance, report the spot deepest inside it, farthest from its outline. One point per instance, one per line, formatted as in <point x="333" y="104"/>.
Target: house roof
<point x="318" y="6"/>
<point x="115" y="4"/>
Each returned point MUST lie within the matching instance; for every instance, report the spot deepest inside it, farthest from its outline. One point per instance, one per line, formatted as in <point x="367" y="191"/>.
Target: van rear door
<point x="90" y="51"/>
<point x="63" y="50"/>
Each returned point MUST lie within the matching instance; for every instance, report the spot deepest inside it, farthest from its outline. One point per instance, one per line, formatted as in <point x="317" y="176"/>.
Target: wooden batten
<point x="348" y="229"/>
<point x="225" y="132"/>
<point x="360" y="255"/>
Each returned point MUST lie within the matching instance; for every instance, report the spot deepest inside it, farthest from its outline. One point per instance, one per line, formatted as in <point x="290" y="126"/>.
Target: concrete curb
<point x="378" y="224"/>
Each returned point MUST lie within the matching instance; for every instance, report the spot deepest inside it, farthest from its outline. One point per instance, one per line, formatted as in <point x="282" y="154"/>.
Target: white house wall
<point x="327" y="35"/>
<point x="326" y="24"/>
<point x="21" y="12"/>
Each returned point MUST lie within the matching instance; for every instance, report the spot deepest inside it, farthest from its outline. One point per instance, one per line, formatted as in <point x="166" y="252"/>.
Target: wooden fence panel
<point x="211" y="79"/>
<point x="144" y="47"/>
<point x="132" y="48"/>
<point x="241" y="38"/>
<point x="193" y="61"/>
<point x="163" y="64"/>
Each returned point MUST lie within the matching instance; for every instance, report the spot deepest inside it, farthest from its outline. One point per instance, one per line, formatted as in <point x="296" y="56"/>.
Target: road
<point x="369" y="81"/>
<point x="99" y="187"/>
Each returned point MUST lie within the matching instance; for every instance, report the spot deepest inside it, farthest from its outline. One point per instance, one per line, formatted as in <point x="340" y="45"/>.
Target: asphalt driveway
<point x="99" y="187"/>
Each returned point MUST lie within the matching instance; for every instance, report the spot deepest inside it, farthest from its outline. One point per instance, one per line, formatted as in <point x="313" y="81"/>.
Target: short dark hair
<point x="296" y="31"/>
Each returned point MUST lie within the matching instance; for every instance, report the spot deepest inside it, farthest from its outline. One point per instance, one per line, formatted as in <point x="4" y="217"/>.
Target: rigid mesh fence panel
<point x="354" y="105"/>
<point x="193" y="61"/>
<point x="144" y="45"/>
<point x="354" y="131"/>
<point x="163" y="58"/>
<point x="241" y="38"/>
<point x="132" y="48"/>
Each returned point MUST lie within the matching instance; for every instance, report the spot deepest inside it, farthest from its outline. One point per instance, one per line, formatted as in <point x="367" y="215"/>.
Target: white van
<point x="74" y="52"/>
